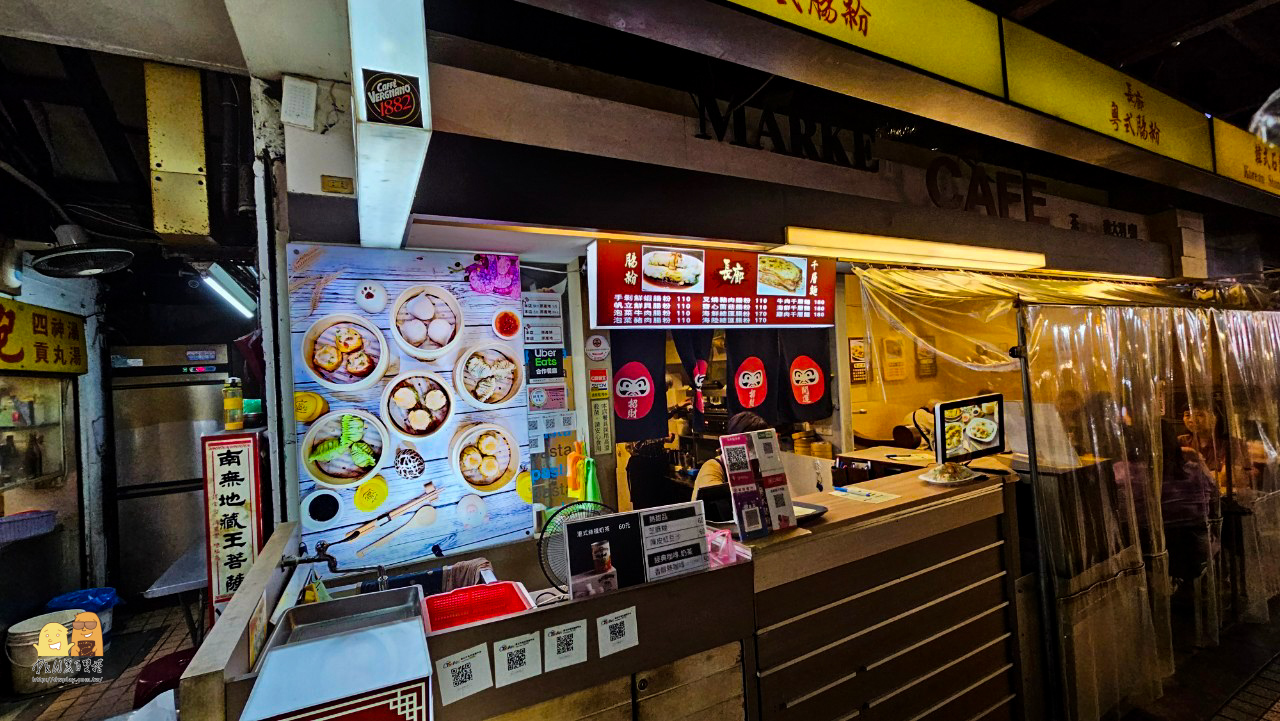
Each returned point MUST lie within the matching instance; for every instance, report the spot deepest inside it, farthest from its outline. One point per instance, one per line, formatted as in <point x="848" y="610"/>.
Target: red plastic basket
<point x="476" y="603"/>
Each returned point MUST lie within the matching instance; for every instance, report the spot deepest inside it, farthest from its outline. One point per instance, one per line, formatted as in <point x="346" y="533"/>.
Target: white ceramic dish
<point x="468" y="435"/>
<point x="460" y="376"/>
<point x="367" y="330"/>
<point x="321" y="424"/>
<point x="384" y="407"/>
<point x="440" y="296"/>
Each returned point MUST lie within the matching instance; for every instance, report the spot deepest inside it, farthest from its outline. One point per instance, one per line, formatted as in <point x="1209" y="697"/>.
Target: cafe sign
<point x="39" y="339"/>
<point x="639" y="285"/>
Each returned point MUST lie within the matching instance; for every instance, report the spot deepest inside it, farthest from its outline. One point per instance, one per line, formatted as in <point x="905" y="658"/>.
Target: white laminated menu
<point x="675" y="540"/>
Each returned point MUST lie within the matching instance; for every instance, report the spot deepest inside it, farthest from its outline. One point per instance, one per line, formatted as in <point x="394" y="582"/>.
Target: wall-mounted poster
<point x="859" y="366"/>
<point x="424" y="428"/>
<point x="926" y="358"/>
<point x="894" y="367"/>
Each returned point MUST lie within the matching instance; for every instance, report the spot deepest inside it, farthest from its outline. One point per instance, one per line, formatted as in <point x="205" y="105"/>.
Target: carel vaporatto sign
<point x="392" y="99"/>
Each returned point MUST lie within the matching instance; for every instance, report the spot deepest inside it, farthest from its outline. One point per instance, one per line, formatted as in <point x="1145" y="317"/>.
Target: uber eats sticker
<point x="392" y="98"/>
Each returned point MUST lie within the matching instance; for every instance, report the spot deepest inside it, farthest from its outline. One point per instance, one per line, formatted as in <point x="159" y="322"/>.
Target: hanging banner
<point x="636" y="285"/>
<point x="1243" y="156"/>
<point x="1054" y="79"/>
<point x="39" y="339"/>
<point x="427" y="430"/>
<point x="232" y="512"/>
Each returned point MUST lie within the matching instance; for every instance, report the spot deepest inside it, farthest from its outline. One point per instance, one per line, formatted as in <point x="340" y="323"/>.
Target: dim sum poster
<point x="637" y="285"/>
<point x="411" y="416"/>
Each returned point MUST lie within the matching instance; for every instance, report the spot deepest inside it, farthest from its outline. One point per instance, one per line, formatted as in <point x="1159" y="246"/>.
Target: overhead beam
<point x="1262" y="50"/>
<point x="1142" y="52"/>
<point x="1029" y="8"/>
<point x="102" y="116"/>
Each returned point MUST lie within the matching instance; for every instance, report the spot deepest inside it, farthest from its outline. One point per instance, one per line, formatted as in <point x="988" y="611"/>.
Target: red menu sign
<point x="636" y="285"/>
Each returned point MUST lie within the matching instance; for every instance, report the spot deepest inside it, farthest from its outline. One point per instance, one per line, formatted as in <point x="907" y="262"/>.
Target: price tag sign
<point x="541" y="305"/>
<point x="617" y="632"/>
<point x="464" y="673"/>
<point x="675" y="540"/>
<point x="564" y="645"/>
<point x="544" y="334"/>
<point x="516" y="659"/>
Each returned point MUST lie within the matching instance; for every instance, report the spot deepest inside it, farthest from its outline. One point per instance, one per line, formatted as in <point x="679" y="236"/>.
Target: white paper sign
<point x="564" y="645"/>
<point x="617" y="631"/>
<point x="859" y="494"/>
<point x="464" y="673"/>
<point x="516" y="659"/>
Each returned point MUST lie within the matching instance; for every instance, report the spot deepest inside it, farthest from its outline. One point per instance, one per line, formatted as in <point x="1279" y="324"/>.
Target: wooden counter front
<point x="891" y="611"/>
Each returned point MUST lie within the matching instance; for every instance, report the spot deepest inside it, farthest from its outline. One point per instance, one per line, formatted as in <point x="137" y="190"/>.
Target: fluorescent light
<point x="860" y="247"/>
<point x="225" y="293"/>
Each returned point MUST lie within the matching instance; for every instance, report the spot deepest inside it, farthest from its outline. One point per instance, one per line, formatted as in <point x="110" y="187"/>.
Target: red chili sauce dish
<point x="506" y="324"/>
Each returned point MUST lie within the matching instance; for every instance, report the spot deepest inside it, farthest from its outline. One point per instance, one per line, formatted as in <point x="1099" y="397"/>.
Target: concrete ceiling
<point x="184" y="32"/>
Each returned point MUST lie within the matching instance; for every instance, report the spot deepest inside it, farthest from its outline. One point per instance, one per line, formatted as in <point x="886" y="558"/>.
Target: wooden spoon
<point x="423" y="517"/>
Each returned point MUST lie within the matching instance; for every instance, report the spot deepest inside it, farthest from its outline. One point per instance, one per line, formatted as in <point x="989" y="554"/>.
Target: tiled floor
<point x="112" y="697"/>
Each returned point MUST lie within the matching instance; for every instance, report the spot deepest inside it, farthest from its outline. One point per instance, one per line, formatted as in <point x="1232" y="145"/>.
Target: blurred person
<point x="1188" y="499"/>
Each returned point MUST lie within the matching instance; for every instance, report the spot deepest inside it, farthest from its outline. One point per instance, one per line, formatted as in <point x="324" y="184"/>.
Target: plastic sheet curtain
<point x="1094" y="373"/>
<point x="1250" y="343"/>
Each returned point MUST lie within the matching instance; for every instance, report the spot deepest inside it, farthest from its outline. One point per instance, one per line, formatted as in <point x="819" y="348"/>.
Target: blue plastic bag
<point x="88" y="599"/>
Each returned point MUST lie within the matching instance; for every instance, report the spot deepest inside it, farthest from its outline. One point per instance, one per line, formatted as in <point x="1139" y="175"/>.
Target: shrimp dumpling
<point x="440" y="331"/>
<point x="422" y="308"/>
<point x="414" y="331"/>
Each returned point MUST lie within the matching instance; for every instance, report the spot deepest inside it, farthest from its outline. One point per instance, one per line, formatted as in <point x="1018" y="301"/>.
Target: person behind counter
<point x="712" y="472"/>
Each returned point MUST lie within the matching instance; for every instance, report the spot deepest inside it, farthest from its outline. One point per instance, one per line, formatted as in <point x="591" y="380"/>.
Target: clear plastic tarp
<point x="1155" y="417"/>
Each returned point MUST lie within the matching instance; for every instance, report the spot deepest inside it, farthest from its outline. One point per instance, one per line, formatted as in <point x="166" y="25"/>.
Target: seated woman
<point x="712" y="472"/>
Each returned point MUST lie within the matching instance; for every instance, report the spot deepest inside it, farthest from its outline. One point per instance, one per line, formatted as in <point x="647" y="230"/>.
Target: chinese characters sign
<point x="1059" y="81"/>
<point x="639" y="285"/>
<point x="951" y="38"/>
<point x="1243" y="156"/>
<point x="234" y="515"/>
<point x="38" y="339"/>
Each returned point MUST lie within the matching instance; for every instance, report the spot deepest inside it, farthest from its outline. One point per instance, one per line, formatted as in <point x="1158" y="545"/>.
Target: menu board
<point x="637" y="285"/>
<point x="420" y="440"/>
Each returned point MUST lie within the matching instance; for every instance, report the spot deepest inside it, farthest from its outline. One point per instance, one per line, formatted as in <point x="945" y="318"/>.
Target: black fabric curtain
<point x="805" y="381"/>
<point x="753" y="365"/>
<point x="694" y="348"/>
<point x="639" y="384"/>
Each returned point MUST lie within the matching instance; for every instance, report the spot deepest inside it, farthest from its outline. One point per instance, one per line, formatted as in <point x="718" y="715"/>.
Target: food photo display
<point x="419" y="444"/>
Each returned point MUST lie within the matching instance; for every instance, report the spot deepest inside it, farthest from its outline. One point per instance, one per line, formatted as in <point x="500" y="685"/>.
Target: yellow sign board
<point x="1054" y="79"/>
<point x="954" y="39"/>
<point x="38" y="339"/>
<point x="1245" y="157"/>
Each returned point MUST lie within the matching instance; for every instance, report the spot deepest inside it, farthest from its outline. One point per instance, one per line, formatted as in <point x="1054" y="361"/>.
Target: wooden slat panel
<point x="913" y="699"/>
<point x="818" y="629"/>
<point x="692" y="697"/>
<point x="688" y="670"/>
<point x="832" y="664"/>
<point x="589" y="702"/>
<point x="778" y="604"/>
<point x="617" y="713"/>
<point x="867" y="683"/>
<point x="730" y="710"/>
<point x="977" y="703"/>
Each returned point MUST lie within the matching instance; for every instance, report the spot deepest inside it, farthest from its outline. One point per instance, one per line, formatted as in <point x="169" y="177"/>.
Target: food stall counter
<point x="902" y="582"/>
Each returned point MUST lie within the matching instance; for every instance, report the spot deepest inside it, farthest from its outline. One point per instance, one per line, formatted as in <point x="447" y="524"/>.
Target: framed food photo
<point x="894" y="365"/>
<point x="859" y="364"/>
<point x="926" y="357"/>
<point x="412" y="422"/>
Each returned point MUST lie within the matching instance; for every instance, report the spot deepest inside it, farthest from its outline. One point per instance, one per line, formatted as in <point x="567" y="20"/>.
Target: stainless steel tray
<point x="329" y="618"/>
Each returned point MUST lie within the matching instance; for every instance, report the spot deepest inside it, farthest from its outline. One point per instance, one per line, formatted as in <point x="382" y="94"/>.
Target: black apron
<point x="694" y="348"/>
<point x="804" y="380"/>
<point x="639" y="384"/>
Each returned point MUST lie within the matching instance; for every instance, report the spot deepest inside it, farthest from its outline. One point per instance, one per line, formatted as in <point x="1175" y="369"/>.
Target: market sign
<point x="39" y="339"/>
<point x="954" y="39"/>
<point x="1243" y="156"/>
<point x="637" y="285"/>
<point x="1054" y="79"/>
<point x="233" y="512"/>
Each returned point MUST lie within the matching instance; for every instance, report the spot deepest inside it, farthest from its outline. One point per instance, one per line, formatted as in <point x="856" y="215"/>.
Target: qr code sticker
<point x="751" y="519"/>
<point x="778" y="500"/>
<point x="736" y="459"/>
<point x="564" y="644"/>
<point x="617" y="630"/>
<point x="768" y="448"/>
<point x="461" y="675"/>
<point x="516" y="659"/>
